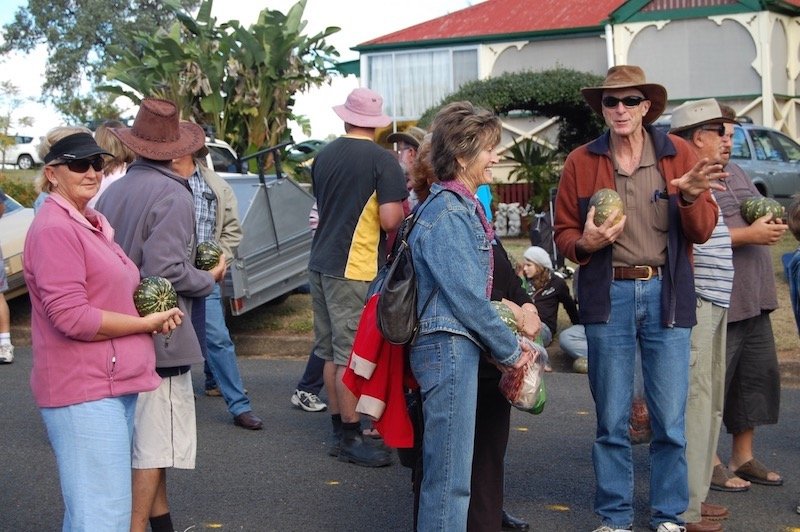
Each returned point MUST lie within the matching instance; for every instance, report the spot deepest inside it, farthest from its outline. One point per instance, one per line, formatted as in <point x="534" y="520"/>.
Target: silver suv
<point x="769" y="157"/>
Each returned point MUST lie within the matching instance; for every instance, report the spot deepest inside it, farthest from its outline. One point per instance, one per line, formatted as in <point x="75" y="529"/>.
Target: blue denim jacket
<point x="450" y="250"/>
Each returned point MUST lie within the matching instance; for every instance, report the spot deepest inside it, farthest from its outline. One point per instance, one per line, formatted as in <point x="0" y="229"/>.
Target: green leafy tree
<point x="240" y="81"/>
<point x="77" y="34"/>
<point x="10" y="101"/>
<point x="553" y="92"/>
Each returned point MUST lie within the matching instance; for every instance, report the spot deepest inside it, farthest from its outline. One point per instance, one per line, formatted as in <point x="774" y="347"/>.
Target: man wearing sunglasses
<point x="702" y="124"/>
<point x="636" y="286"/>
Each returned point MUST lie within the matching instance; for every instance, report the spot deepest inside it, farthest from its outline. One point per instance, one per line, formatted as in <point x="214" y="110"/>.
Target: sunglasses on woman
<point x="81" y="166"/>
<point x="628" y="101"/>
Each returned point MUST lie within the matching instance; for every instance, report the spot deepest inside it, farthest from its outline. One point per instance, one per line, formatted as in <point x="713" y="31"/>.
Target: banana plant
<point x="238" y="80"/>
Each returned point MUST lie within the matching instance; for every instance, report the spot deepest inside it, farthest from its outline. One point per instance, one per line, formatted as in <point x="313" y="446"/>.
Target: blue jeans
<point x="312" y="381"/>
<point x="636" y="318"/>
<point x="221" y="356"/>
<point x="92" y="444"/>
<point x="446" y="368"/>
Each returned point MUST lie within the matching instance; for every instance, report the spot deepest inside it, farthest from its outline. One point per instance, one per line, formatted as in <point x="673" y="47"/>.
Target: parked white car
<point x="24" y="152"/>
<point x="13" y="227"/>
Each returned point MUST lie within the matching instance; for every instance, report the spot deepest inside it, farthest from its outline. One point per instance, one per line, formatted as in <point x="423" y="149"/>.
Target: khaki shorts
<point x="165" y="429"/>
<point x="337" y="305"/>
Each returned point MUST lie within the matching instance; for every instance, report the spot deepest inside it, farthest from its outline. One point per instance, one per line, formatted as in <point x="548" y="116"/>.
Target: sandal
<point x="720" y="477"/>
<point x="757" y="473"/>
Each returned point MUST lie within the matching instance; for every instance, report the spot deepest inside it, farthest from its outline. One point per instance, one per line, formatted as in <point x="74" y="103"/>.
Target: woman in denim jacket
<point x="452" y="251"/>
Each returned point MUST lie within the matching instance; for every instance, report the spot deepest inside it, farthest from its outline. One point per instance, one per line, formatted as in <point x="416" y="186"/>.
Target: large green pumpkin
<point x="754" y="208"/>
<point x="154" y="294"/>
<point x="208" y="255"/>
<point x="604" y="201"/>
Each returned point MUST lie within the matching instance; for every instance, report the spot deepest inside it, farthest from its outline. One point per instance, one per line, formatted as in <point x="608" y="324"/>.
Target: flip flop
<point x="757" y="473"/>
<point x="720" y="477"/>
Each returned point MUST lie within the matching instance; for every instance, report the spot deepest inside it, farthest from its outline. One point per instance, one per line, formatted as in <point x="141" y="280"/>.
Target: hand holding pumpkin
<point x="164" y="322"/>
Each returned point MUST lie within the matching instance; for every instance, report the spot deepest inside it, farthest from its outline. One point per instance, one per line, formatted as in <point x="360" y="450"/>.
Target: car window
<point x="790" y="147"/>
<point x="11" y="204"/>
<point x="766" y="147"/>
<point x="223" y="160"/>
<point x="740" y="149"/>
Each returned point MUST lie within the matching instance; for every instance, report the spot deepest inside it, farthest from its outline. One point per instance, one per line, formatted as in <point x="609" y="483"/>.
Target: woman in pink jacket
<point x="92" y="353"/>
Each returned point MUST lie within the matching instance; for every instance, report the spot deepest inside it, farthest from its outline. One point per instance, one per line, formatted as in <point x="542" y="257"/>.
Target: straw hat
<point x="690" y="115"/>
<point x="627" y="77"/>
<point x="412" y="136"/>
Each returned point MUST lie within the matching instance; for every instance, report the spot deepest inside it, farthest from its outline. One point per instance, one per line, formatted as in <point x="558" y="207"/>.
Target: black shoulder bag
<point x="396" y="283"/>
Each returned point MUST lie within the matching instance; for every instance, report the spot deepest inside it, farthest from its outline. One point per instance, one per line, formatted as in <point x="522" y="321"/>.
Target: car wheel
<point x="25" y="162"/>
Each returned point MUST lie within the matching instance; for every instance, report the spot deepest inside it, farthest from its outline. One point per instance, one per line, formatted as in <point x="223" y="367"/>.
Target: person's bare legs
<point x="147" y="487"/>
<point x="5" y="315"/>
<point x="329" y="375"/>
<point x="742" y="452"/>
<point x="346" y="400"/>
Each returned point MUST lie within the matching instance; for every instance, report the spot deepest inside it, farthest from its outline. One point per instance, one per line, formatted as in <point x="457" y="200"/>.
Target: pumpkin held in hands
<point x="154" y="294"/>
<point x="754" y="208"/>
<point x="604" y="201"/>
<point x="208" y="255"/>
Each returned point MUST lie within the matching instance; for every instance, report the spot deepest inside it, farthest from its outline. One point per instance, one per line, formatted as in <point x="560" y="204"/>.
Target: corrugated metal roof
<point x="504" y="17"/>
<point x="509" y="17"/>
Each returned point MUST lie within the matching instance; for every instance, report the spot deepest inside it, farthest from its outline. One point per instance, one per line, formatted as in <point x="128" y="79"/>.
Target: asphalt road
<point x="281" y="479"/>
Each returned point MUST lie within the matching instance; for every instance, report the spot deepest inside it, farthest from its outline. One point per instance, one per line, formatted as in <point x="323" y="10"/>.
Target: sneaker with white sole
<point x="606" y="528"/>
<point x="670" y="527"/>
<point x="308" y="401"/>
<point x="6" y="354"/>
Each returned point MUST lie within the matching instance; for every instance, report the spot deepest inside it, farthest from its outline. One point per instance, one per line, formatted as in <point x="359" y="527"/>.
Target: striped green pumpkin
<point x="754" y="208"/>
<point x="208" y="255"/>
<point x="154" y="294"/>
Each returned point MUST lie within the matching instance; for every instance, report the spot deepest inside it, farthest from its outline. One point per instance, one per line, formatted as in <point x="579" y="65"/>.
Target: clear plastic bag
<point x="524" y="387"/>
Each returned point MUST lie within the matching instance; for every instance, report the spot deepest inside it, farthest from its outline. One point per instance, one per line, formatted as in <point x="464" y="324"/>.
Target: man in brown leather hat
<point x="636" y="286"/>
<point x="152" y="212"/>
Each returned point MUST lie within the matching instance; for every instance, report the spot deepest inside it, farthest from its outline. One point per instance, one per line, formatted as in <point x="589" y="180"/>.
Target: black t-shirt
<point x="353" y="176"/>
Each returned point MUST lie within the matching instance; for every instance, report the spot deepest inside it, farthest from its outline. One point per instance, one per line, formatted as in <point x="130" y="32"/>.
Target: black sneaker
<point x="353" y="449"/>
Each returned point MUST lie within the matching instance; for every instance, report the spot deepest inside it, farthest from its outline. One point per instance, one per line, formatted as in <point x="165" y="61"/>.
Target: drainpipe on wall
<point x="609" y="45"/>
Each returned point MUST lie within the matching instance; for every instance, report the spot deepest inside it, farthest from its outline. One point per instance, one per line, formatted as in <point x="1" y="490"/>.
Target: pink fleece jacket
<point x="74" y="270"/>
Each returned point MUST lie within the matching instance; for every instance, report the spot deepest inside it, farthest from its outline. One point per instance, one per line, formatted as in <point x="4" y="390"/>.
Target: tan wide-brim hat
<point x="627" y="77"/>
<point x="690" y="115"/>
<point x="158" y="132"/>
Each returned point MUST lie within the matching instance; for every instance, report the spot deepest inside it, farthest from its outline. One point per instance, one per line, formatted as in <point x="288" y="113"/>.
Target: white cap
<point x="539" y="256"/>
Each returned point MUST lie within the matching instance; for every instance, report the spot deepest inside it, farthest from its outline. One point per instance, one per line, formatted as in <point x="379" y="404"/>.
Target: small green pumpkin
<point x="754" y="208"/>
<point x="154" y="294"/>
<point x="604" y="201"/>
<point x="208" y="255"/>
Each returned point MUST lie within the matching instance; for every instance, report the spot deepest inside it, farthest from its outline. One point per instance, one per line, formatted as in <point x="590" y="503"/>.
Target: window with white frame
<point x="412" y="82"/>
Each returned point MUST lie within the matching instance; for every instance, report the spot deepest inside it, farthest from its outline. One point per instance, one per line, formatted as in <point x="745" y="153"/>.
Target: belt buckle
<point x="650" y="271"/>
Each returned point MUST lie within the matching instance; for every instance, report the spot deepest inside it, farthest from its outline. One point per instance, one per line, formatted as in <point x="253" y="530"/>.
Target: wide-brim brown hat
<point x="690" y="115"/>
<point x="158" y="132"/>
<point x="627" y="77"/>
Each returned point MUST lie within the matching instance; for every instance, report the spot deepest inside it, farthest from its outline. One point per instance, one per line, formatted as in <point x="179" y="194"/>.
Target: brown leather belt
<point x="638" y="273"/>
